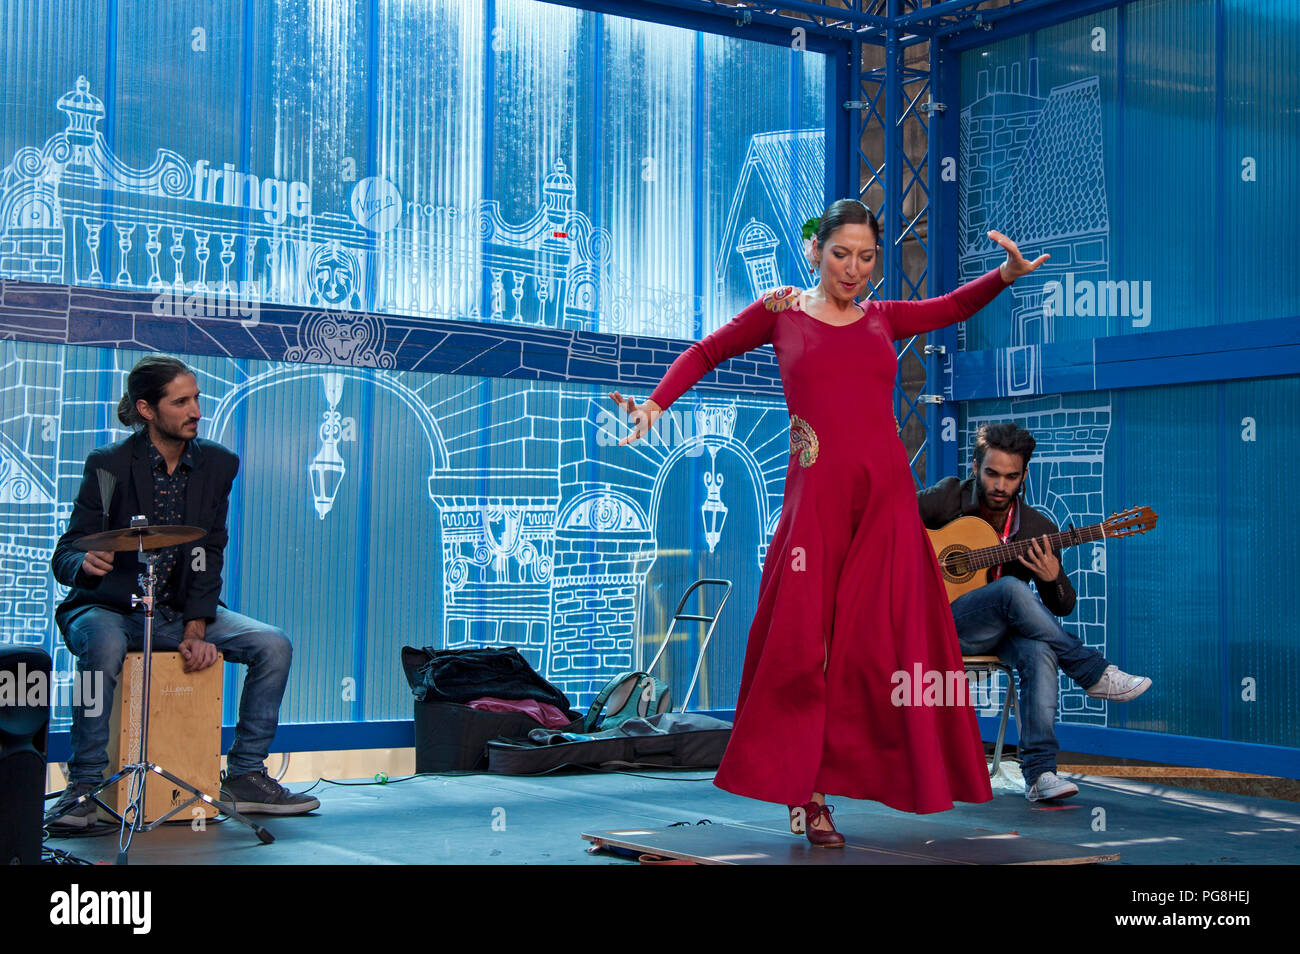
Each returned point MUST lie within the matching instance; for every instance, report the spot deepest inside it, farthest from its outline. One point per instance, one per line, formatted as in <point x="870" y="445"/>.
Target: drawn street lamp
<point x="714" y="511"/>
<point x="714" y="426"/>
<point x="327" y="468"/>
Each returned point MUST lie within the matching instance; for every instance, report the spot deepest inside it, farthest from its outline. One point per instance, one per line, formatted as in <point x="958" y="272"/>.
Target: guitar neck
<point x="1007" y="552"/>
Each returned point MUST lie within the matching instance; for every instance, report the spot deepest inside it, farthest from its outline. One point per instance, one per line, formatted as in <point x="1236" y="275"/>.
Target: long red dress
<point x="851" y="593"/>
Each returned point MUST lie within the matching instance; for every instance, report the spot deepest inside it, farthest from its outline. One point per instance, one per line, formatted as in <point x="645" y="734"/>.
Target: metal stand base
<point x="132" y="818"/>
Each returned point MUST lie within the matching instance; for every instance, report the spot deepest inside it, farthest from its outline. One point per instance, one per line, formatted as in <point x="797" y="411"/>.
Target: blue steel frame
<point x="887" y="99"/>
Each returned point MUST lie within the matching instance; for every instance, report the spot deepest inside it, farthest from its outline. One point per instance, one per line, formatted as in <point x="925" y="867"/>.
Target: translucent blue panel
<point x="376" y="509"/>
<point x="1261" y="160"/>
<point x="647" y="171"/>
<point x="193" y="50"/>
<point x="1196" y="604"/>
<point x="517" y="162"/>
<point x="1260" y="447"/>
<point x="520" y="162"/>
<point x="43" y="48"/>
<point x="1139" y="147"/>
<point x="1169" y="582"/>
<point x="759" y="195"/>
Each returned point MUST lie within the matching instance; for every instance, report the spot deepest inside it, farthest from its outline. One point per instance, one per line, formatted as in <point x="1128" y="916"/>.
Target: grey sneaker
<point x="1048" y="787"/>
<point x="1118" y="686"/>
<point x="256" y="793"/>
<point x="77" y="816"/>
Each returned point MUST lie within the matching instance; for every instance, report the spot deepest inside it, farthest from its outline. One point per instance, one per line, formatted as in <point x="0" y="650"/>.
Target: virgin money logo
<point x="376" y="204"/>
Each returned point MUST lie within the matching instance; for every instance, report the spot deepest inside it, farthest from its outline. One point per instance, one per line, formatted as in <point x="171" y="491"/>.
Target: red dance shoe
<point x="822" y="839"/>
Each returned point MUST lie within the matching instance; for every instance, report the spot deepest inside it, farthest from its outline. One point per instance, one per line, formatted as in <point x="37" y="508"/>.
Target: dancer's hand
<point x="1015" y="266"/>
<point x="643" y="416"/>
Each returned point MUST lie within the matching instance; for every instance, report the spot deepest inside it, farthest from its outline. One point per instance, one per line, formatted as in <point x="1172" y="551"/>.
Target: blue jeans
<point x="1006" y="618"/>
<point x="100" y="637"/>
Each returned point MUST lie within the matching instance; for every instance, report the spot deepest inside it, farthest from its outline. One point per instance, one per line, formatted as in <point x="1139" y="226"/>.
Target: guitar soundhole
<point x="954" y="563"/>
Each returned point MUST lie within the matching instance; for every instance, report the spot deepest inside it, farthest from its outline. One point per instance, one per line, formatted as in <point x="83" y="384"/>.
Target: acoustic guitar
<point x="968" y="547"/>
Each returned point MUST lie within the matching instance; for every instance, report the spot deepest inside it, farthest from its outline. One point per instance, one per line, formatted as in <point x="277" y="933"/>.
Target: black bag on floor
<point x="463" y="675"/>
<point x="450" y="737"/>
<point x="669" y="740"/>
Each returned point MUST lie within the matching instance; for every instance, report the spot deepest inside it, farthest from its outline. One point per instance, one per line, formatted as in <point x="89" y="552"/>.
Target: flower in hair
<point x="809" y="232"/>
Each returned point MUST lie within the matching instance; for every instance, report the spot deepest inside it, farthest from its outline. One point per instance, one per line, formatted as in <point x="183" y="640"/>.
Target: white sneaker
<point x="1118" y="686"/>
<point x="1049" y="787"/>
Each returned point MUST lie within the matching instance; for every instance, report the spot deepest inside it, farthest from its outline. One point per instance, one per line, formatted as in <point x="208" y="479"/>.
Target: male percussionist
<point x="167" y="473"/>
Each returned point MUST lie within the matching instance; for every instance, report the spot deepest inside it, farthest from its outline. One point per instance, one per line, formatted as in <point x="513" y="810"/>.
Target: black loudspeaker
<point x="24" y="726"/>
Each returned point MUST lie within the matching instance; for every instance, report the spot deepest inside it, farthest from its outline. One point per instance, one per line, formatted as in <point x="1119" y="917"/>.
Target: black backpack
<point x="463" y="675"/>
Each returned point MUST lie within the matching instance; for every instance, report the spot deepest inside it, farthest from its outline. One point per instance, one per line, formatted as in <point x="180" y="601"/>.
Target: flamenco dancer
<point x="850" y="592"/>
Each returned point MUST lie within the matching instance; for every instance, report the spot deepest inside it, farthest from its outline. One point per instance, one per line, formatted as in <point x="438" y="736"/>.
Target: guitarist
<point x="1006" y="619"/>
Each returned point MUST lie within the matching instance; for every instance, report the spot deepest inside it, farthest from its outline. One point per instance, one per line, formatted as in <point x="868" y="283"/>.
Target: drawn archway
<point x="352" y="588"/>
<point x="681" y="559"/>
<point x="220" y="417"/>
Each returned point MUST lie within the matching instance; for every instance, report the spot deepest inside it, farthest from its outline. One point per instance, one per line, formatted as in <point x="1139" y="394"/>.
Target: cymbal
<point x="139" y="538"/>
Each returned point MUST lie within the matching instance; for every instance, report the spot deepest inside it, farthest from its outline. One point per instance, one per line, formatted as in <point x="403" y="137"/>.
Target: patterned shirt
<point x="169" y="510"/>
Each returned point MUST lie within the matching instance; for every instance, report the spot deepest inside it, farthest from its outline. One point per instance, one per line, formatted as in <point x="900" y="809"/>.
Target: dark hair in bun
<point x="845" y="212"/>
<point x="148" y="382"/>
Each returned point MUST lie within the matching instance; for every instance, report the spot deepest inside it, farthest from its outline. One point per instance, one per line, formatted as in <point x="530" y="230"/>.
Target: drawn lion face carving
<point x="334" y="273"/>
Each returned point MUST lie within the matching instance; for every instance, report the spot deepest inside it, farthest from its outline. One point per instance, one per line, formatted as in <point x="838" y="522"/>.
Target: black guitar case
<point x="684" y="740"/>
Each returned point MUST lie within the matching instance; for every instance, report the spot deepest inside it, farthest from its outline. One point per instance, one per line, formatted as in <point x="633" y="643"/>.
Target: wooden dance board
<point x="869" y="840"/>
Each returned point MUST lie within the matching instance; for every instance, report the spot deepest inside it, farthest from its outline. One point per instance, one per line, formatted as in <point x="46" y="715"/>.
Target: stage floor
<point x="495" y="819"/>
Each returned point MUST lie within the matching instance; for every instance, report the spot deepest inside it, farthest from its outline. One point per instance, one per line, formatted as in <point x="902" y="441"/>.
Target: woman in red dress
<point x="851" y="605"/>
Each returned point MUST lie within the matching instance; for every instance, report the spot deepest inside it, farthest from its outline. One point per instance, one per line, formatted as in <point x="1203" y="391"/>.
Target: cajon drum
<point x="184" y="733"/>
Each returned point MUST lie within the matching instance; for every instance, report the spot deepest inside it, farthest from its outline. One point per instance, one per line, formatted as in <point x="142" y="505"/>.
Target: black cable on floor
<point x="657" y="778"/>
<point x="103" y="827"/>
<point x="407" y="778"/>
<point x="57" y="856"/>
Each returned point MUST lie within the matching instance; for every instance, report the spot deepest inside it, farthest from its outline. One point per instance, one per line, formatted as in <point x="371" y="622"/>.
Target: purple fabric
<point x="545" y="713"/>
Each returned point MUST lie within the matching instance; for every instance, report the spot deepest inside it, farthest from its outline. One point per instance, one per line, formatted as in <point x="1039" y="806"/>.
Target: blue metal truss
<point x="911" y="95"/>
<point x="853" y="21"/>
<point x="766" y="22"/>
<point x="895" y="100"/>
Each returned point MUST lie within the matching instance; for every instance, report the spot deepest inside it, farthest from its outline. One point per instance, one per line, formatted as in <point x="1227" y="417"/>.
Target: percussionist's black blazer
<point x="207" y="498"/>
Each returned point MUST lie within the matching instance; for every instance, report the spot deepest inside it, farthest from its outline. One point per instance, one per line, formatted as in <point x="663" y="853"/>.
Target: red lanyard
<point x="1006" y="532"/>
